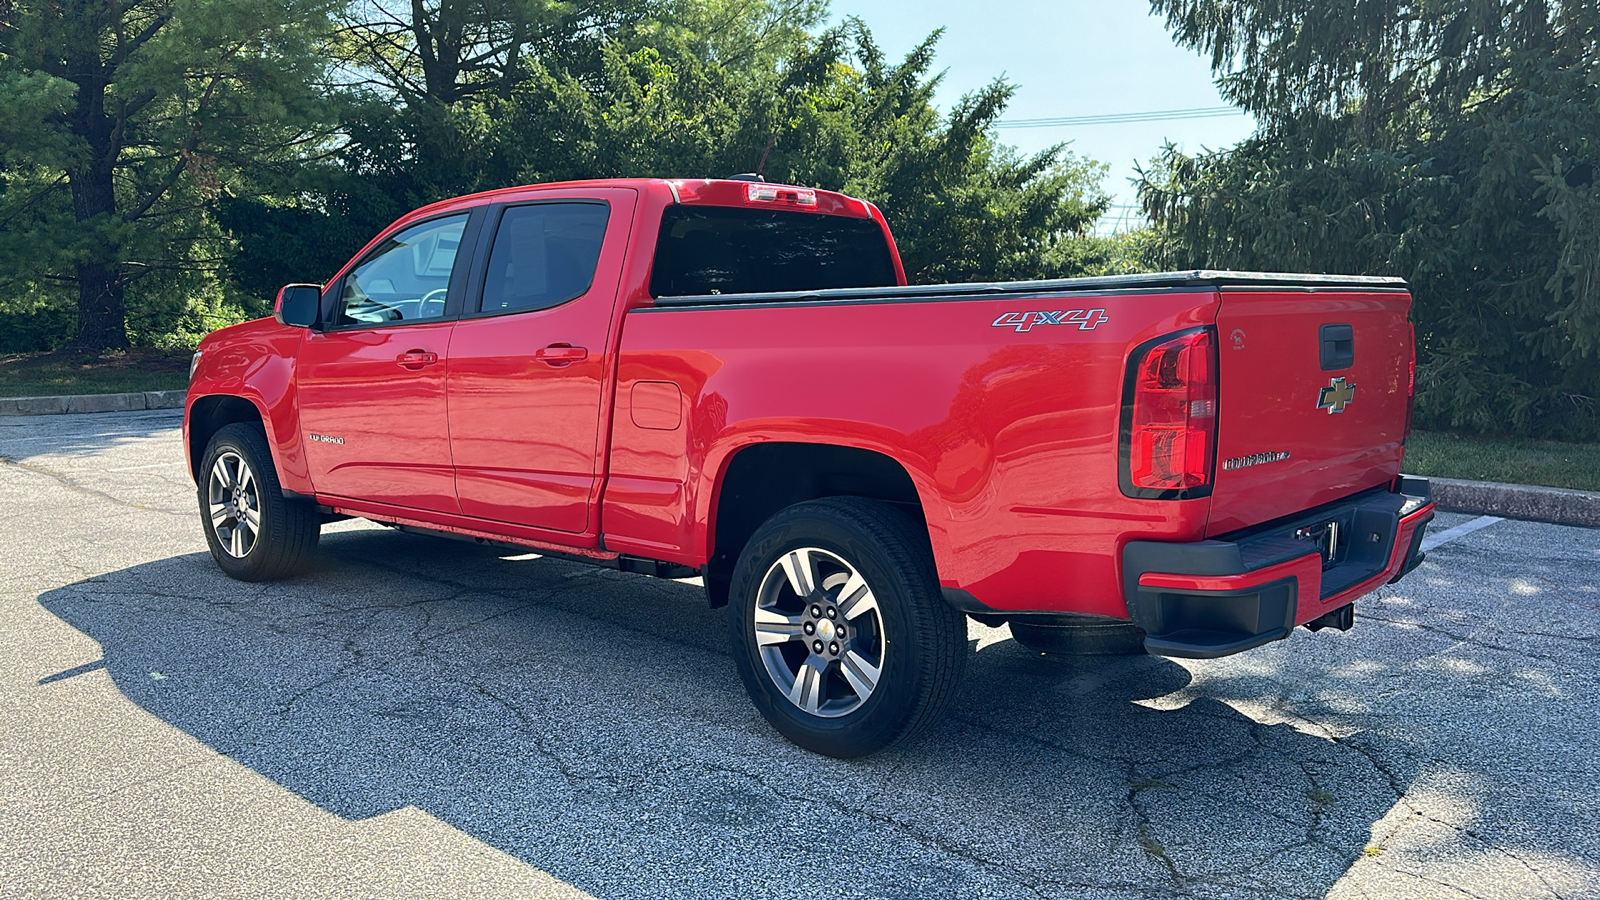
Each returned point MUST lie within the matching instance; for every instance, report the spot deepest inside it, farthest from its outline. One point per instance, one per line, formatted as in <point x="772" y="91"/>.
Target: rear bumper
<point x="1218" y="597"/>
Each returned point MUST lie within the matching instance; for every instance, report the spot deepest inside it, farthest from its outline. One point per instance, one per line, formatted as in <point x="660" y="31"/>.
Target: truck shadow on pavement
<point x="591" y="724"/>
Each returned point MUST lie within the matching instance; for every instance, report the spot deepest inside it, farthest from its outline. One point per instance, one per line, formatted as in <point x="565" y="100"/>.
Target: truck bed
<point x="1118" y="284"/>
<point x="1004" y="402"/>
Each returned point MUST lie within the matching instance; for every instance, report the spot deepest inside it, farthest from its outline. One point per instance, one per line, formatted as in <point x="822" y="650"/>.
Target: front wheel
<point x="254" y="532"/>
<point x="839" y="630"/>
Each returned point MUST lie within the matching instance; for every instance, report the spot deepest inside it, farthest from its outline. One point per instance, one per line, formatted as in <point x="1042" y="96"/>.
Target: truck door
<point x="372" y="382"/>
<point x="529" y="358"/>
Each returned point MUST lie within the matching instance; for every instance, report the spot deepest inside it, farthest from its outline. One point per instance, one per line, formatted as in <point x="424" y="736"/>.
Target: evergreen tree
<point x="698" y="88"/>
<point x="1453" y="142"/>
<point x="120" y="120"/>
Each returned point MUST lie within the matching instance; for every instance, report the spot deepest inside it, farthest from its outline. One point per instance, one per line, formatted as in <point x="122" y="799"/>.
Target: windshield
<point x="730" y="250"/>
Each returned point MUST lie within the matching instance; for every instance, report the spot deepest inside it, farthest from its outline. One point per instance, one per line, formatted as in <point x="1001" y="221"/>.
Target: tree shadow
<point x="591" y="724"/>
<point x="22" y="438"/>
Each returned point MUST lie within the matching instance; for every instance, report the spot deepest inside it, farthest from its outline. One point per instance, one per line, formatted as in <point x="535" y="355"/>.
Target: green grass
<point x="113" y="372"/>
<point x="1513" y="460"/>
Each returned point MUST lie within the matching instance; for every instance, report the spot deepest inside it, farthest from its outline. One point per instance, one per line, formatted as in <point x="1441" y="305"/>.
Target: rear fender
<point x="873" y="464"/>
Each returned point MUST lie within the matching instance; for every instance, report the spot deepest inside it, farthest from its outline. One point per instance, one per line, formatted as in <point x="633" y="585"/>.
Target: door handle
<point x="561" y="354"/>
<point x="416" y="359"/>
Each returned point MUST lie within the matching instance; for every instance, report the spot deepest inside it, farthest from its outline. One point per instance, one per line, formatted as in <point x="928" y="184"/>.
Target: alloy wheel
<point x="234" y="504"/>
<point x="820" y="632"/>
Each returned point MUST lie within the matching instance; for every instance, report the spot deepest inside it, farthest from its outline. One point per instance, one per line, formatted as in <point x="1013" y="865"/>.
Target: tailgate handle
<point x="1338" y="347"/>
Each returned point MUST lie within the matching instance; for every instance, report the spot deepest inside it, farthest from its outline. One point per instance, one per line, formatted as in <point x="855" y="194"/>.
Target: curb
<point x="1557" y="506"/>
<point x="91" y="403"/>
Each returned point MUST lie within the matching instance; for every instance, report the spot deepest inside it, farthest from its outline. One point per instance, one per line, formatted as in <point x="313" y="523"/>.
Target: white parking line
<point x="1450" y="534"/>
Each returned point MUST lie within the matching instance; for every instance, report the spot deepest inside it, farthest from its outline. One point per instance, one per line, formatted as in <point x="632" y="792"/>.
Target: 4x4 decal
<point x="1085" y="319"/>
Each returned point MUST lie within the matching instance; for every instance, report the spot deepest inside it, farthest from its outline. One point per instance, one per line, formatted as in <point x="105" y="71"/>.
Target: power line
<point x="1159" y="115"/>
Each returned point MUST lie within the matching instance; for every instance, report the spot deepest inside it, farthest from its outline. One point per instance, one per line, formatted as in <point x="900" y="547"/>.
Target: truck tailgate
<point x="1314" y="388"/>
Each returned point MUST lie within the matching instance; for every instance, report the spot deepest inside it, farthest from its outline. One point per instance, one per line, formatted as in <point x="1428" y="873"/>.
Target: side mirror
<point x="298" y="305"/>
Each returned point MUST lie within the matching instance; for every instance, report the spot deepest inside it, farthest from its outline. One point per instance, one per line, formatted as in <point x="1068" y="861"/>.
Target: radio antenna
<point x="763" y="164"/>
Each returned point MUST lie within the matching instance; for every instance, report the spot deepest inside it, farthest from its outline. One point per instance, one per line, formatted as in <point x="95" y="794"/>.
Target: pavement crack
<point x="84" y="490"/>
<point x="1145" y="827"/>
<point x="536" y="736"/>
<point x="1531" y="870"/>
<point x="1471" y="640"/>
<point x="138" y="783"/>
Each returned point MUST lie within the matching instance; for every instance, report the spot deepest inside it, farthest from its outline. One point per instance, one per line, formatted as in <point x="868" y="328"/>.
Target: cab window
<point x="406" y="279"/>
<point x="544" y="255"/>
<point x="732" y="250"/>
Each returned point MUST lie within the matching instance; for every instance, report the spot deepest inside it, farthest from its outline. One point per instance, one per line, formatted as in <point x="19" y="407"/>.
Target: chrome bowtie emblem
<point x="1336" y="396"/>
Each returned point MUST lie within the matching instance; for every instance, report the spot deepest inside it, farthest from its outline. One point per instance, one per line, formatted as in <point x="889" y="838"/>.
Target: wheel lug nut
<point x="834" y="649"/>
<point x="833" y="613"/>
<point x="810" y="628"/>
<point x="816" y="646"/>
<point x="816" y="611"/>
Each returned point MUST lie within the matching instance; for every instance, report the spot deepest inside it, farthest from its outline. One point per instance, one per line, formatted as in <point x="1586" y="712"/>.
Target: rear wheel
<point x="254" y="532"/>
<point x="839" y="630"/>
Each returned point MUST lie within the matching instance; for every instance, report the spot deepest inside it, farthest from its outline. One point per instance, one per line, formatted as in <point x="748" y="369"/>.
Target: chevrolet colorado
<point x="731" y="379"/>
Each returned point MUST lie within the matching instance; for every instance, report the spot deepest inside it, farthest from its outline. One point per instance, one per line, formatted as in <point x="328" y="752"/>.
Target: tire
<point x="254" y="532"/>
<point x="891" y="650"/>
<point x="1096" y="637"/>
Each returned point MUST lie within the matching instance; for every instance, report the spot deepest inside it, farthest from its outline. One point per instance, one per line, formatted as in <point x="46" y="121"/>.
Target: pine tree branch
<point x="46" y="191"/>
<point x="190" y="145"/>
<point x="143" y="37"/>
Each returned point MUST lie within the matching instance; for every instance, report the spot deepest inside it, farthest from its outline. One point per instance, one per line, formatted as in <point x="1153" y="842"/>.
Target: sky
<point x="1068" y="58"/>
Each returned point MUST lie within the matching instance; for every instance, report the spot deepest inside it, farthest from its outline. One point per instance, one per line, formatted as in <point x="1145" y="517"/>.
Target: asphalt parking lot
<point x="420" y="717"/>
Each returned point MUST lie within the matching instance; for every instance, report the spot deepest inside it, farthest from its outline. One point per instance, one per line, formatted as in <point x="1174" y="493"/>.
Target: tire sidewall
<point x="238" y="438"/>
<point x="885" y="714"/>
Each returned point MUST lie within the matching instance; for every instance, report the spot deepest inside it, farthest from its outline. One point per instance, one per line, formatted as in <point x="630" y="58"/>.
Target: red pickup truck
<point x="730" y="379"/>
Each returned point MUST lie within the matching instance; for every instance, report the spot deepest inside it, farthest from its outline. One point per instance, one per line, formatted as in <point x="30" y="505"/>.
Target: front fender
<point x="255" y="363"/>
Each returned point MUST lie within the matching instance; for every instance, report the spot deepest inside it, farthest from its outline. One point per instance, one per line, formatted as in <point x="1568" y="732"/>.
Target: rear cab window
<point x="729" y="250"/>
<point x="544" y="255"/>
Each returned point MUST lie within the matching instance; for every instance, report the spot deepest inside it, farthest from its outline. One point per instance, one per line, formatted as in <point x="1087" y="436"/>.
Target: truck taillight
<point x="777" y="193"/>
<point x="1170" y="418"/>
